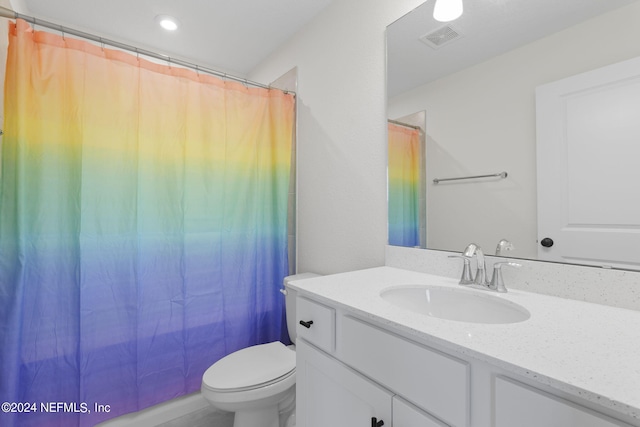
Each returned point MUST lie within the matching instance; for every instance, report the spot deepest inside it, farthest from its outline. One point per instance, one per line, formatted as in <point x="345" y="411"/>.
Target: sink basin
<point x="455" y="304"/>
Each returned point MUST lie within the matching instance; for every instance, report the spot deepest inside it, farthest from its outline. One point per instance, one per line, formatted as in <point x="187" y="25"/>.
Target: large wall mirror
<point x="470" y="89"/>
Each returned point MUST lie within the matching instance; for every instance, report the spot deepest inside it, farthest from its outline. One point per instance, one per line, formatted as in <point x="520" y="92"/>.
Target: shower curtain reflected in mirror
<point x="143" y="227"/>
<point x="404" y="175"/>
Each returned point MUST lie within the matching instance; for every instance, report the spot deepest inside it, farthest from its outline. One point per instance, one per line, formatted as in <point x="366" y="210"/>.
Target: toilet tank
<point x="290" y="301"/>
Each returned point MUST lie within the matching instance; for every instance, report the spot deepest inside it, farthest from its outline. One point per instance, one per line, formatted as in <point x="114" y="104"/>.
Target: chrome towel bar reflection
<point x="494" y="175"/>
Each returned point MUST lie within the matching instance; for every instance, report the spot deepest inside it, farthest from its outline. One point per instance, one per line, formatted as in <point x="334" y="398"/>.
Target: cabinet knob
<point x="376" y="423"/>
<point x="546" y="242"/>
<point x="306" y="324"/>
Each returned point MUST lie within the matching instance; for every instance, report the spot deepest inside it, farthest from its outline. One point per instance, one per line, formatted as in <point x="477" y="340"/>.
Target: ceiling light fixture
<point x="447" y="10"/>
<point x="167" y="22"/>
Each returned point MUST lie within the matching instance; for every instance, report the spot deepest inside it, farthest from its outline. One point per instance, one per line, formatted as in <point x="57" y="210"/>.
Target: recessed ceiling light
<point x="447" y="10"/>
<point x="167" y="22"/>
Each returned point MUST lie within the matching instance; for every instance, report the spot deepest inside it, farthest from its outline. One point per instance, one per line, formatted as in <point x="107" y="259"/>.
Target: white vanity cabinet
<point x="407" y="415"/>
<point x="362" y="359"/>
<point x="329" y="393"/>
<point x="436" y="382"/>
<point x="519" y="405"/>
<point x="363" y="376"/>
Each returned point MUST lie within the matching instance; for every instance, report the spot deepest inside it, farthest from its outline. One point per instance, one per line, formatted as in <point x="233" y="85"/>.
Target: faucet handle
<point x="466" y="278"/>
<point x="504" y="245"/>
<point x="497" y="282"/>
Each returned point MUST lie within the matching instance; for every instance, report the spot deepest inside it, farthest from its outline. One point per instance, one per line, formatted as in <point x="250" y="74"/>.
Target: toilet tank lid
<point x="299" y="276"/>
<point x="251" y="366"/>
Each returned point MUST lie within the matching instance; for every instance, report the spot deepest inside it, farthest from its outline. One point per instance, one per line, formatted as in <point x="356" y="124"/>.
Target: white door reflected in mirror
<point x="588" y="136"/>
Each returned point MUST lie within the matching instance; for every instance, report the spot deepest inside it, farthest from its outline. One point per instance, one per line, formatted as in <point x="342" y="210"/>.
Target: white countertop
<point x="588" y="350"/>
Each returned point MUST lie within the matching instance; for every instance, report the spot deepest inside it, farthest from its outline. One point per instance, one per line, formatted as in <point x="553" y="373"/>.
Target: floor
<point x="207" y="417"/>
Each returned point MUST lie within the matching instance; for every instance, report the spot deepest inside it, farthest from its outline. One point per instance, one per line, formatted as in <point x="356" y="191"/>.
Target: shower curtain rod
<point x="395" y="122"/>
<point x="8" y="13"/>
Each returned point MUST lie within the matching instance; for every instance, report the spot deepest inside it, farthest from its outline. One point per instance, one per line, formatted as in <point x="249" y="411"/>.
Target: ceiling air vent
<point x="441" y="36"/>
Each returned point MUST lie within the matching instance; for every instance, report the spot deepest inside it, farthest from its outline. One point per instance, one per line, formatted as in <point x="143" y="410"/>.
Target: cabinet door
<point x="434" y="381"/>
<point x="523" y="406"/>
<point x="329" y="394"/>
<point x="407" y="415"/>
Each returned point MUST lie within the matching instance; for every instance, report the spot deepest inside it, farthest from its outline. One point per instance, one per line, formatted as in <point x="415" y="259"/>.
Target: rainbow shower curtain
<point x="143" y="228"/>
<point x="404" y="186"/>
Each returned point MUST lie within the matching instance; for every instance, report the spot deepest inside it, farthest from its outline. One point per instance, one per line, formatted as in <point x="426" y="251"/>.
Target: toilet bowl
<point x="257" y="382"/>
<point x="252" y="382"/>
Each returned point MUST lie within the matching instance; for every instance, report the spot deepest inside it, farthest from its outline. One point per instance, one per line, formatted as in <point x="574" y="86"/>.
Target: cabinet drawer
<point x="320" y="320"/>
<point x="435" y="382"/>
<point x="523" y="406"/>
<point x="407" y="415"/>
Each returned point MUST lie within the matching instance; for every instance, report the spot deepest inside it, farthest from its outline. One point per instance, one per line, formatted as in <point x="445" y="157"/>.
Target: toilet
<point x="258" y="382"/>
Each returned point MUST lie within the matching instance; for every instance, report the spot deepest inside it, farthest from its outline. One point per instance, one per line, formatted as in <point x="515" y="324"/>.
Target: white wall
<point x="17" y="5"/>
<point x="482" y="120"/>
<point x="342" y="143"/>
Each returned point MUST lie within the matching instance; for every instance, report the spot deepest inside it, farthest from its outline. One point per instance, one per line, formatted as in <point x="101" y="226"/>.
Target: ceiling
<point x="231" y="36"/>
<point x="488" y="28"/>
<point x="234" y="36"/>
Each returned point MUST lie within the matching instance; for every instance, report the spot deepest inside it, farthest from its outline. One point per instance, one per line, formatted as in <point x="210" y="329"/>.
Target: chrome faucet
<point x="481" y="270"/>
<point x="496" y="284"/>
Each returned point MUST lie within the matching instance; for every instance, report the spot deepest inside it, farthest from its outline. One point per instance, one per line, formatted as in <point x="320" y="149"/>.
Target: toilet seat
<point x="258" y="383"/>
<point x="251" y="368"/>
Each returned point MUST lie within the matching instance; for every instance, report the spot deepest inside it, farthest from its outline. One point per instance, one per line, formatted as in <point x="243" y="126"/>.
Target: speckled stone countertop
<point x="587" y="350"/>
